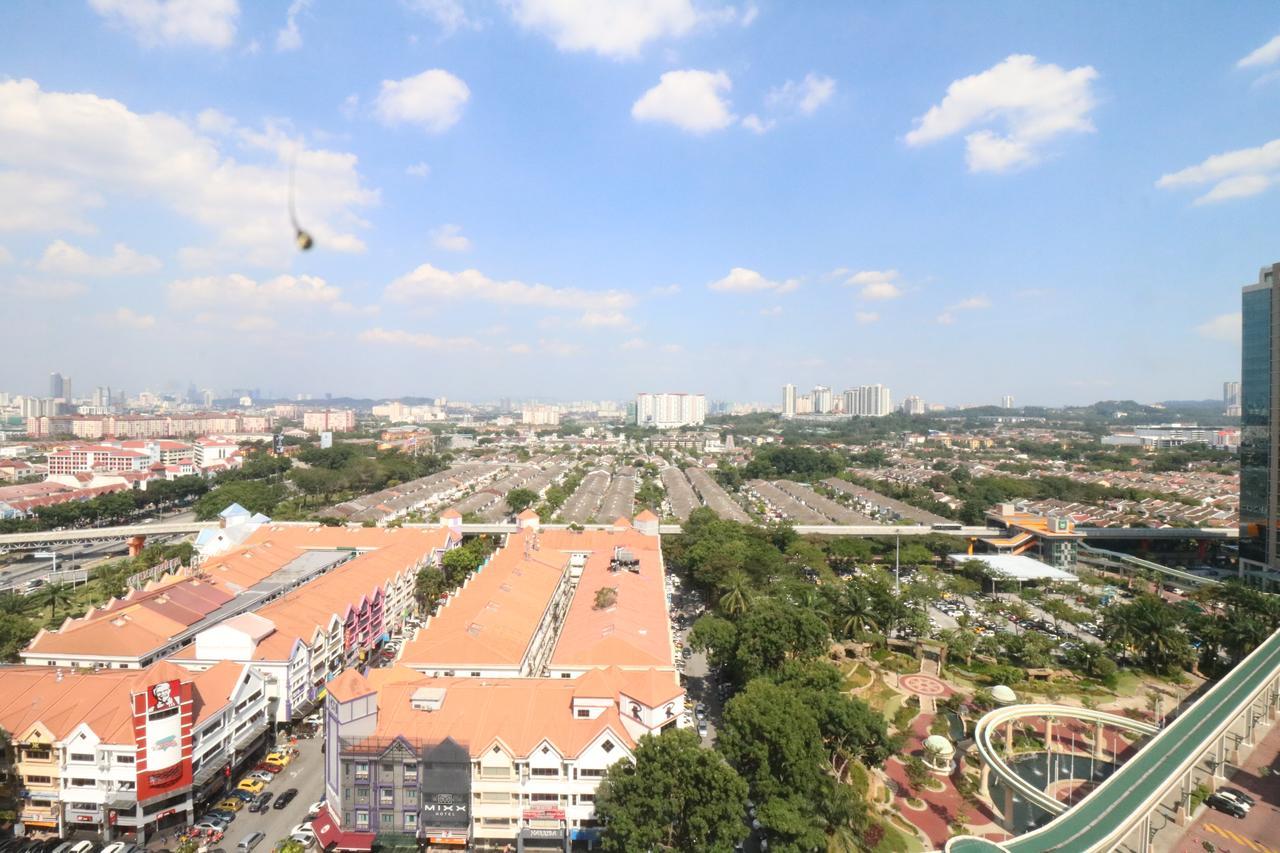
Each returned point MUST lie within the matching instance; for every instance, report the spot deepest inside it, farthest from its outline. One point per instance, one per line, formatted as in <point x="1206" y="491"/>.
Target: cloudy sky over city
<point x="581" y="199"/>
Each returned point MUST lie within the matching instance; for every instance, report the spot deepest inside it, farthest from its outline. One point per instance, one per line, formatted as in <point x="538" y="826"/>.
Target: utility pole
<point x="897" y="548"/>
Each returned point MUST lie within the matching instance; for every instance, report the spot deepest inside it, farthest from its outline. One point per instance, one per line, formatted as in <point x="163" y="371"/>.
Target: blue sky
<point x="571" y="199"/>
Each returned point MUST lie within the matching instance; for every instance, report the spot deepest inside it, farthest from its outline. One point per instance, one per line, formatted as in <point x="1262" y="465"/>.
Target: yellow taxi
<point x="281" y="758"/>
<point x="231" y="804"/>
<point x="253" y="786"/>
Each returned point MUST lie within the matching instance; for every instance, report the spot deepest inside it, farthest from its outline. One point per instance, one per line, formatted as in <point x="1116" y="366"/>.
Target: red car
<point x="269" y="767"/>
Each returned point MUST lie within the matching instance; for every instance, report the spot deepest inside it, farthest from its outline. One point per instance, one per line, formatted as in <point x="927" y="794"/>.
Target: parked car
<point x="243" y="796"/>
<point x="287" y="797"/>
<point x="264" y="776"/>
<point x="220" y="816"/>
<point x="1222" y="804"/>
<point x="250" y="841"/>
<point x="281" y="758"/>
<point x="261" y="803"/>
<point x="252" y="785"/>
<point x="702" y="728"/>
<point x="120" y="847"/>
<point x="230" y="804"/>
<point x="267" y="767"/>
<point x="303" y="830"/>
<point x="1247" y="801"/>
<point x="84" y="847"/>
<point x="314" y="809"/>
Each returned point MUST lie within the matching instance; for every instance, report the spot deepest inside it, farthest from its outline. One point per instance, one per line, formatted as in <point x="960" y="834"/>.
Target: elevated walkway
<point x="1165" y="767"/>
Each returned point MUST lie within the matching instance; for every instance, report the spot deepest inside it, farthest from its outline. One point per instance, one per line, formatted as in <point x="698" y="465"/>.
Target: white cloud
<point x="418" y="170"/>
<point x="129" y="319"/>
<point x="433" y="100"/>
<point x="289" y="37"/>
<point x="76" y="146"/>
<point x="803" y="98"/>
<point x="973" y="303"/>
<point x="604" y="319"/>
<point x="876" y="285"/>
<point x="742" y="280"/>
<point x="421" y="340"/>
<point x="64" y="259"/>
<point x="633" y="344"/>
<point x="520" y="349"/>
<point x="449" y="15"/>
<point x="772" y="311"/>
<point x="6" y="257"/>
<point x="31" y="202"/>
<point x="865" y="318"/>
<point x="1233" y="174"/>
<point x="209" y="23"/>
<point x="1033" y="103"/>
<point x="428" y="282"/>
<point x="1224" y="327"/>
<point x="350" y="106"/>
<point x="450" y="238"/>
<point x="239" y="293"/>
<point x="1268" y="54"/>
<point x="672" y="348"/>
<point x="216" y="122"/>
<point x="689" y="99"/>
<point x="755" y="124"/>
<point x="618" y="29"/>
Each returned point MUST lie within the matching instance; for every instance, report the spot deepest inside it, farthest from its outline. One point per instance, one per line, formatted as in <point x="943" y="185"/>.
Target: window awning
<point x="331" y="837"/>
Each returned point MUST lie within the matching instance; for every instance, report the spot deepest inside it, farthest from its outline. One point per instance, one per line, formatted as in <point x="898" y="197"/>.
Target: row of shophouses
<point x="131" y="717"/>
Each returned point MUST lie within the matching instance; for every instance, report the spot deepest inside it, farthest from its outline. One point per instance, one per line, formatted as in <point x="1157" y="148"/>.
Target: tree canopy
<point x="675" y="796"/>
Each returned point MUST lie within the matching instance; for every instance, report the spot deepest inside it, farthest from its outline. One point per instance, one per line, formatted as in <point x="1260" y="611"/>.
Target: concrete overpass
<point x="1193" y="748"/>
<point x="60" y="538"/>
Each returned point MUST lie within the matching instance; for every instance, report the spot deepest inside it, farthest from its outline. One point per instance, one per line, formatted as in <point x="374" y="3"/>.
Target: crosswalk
<point x="1238" y="839"/>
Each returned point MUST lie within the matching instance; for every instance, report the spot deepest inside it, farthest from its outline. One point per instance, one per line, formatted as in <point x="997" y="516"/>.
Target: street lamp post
<point x="897" y="548"/>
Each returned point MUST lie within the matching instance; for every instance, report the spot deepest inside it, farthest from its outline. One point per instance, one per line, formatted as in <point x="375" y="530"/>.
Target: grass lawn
<point x="856" y="675"/>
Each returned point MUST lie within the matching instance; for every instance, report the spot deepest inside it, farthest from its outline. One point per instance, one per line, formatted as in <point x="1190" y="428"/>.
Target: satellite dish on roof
<point x="301" y="236"/>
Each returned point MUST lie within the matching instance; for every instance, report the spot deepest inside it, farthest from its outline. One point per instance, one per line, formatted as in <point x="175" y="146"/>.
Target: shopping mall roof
<point x="1016" y="567"/>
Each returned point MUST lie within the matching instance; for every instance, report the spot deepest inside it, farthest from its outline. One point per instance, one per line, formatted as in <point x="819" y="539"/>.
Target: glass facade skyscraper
<point x="1260" y="430"/>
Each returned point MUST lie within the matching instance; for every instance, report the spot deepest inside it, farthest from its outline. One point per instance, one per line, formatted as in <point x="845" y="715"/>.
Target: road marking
<point x="1239" y="839"/>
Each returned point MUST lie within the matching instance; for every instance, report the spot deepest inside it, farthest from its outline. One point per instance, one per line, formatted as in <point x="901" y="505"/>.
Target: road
<point x="306" y="773"/>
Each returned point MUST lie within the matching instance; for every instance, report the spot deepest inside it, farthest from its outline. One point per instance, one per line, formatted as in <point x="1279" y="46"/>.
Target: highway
<point x="1101" y="819"/>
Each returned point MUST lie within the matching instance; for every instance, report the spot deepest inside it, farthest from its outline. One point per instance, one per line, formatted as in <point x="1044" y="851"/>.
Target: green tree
<point x="521" y="499"/>
<point x="316" y="482"/>
<point x="253" y="495"/>
<point x="428" y="586"/>
<point x="736" y="595"/>
<point x="15" y="632"/>
<point x="53" y="594"/>
<point x="674" y="795"/>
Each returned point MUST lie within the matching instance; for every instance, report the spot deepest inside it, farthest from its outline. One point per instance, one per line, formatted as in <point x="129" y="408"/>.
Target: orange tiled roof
<point x="519" y="712"/>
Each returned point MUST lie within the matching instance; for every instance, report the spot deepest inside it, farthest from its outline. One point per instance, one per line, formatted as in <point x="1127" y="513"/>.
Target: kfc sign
<point x="166" y="694"/>
<point x="162" y="720"/>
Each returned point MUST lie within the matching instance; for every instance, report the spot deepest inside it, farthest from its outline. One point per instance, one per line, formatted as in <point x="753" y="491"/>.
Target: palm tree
<point x="856" y="612"/>
<point x="737" y="594"/>
<point x="54" y="595"/>
<point x="1242" y="633"/>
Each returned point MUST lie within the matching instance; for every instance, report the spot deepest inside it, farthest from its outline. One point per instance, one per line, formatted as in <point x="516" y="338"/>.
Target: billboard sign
<point x="162" y="720"/>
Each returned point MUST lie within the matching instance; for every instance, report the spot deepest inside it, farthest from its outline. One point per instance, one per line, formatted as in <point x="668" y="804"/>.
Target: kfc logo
<point x="164" y="695"/>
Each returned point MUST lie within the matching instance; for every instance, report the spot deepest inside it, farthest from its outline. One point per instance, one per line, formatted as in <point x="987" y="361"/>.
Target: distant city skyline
<point x="720" y="195"/>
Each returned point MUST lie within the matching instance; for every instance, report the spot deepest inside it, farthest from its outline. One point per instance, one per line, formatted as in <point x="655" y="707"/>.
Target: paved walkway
<point x="940" y="807"/>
